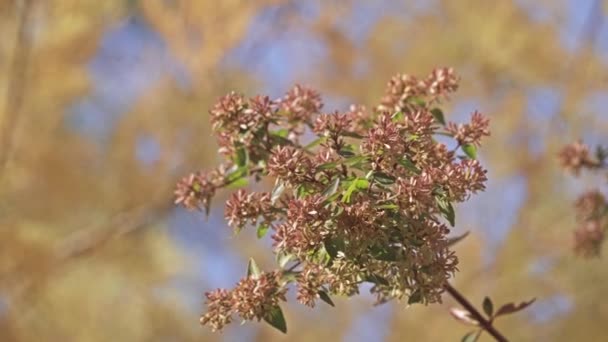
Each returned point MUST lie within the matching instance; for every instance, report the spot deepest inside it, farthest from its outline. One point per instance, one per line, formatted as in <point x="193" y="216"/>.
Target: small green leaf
<point x="353" y="135"/>
<point x="315" y="142"/>
<point x="283" y="259"/>
<point x="397" y="116"/>
<point x="236" y="174"/>
<point x="469" y="150"/>
<point x="383" y="178"/>
<point x="415" y="297"/>
<point x="346" y="152"/>
<point x="332" y="187"/>
<point x="355" y="185"/>
<point x="288" y="277"/>
<point x="253" y="270"/>
<point x="275" y="318"/>
<point x="447" y="210"/>
<point x="388" y="206"/>
<point x="355" y="160"/>
<point x="438" y="115"/>
<point x="262" y="230"/>
<point x="471" y="336"/>
<point x="325" y="297"/>
<point x="454" y="240"/>
<point x="488" y="307"/>
<point x="327" y="166"/>
<point x="408" y="164"/>
<point x="242" y="157"/>
<point x="239" y="183"/>
<point x="279" y="187"/>
<point x="281" y="133"/>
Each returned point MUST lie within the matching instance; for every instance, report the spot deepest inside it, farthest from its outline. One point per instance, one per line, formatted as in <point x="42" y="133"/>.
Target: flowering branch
<point x="368" y="200"/>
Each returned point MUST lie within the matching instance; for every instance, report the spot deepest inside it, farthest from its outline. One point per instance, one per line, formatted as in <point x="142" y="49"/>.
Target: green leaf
<point x="447" y="210"/>
<point x="242" y="157"/>
<point x="262" y="230"/>
<point x="383" y="178"/>
<point x="408" y="164"/>
<point x="469" y="150"/>
<point x="438" y="115"/>
<point x="275" y="318"/>
<point x="415" y="297"/>
<point x="471" y="336"/>
<point x="327" y="166"/>
<point x="279" y="187"/>
<point x="283" y="259"/>
<point x="454" y="240"/>
<point x="488" y="307"/>
<point x="332" y="187"/>
<point x="288" y="277"/>
<point x="355" y="160"/>
<point x="397" y="116"/>
<point x="239" y="183"/>
<point x="240" y="172"/>
<point x="332" y="247"/>
<point x="355" y="185"/>
<point x="353" y="135"/>
<point x="417" y="101"/>
<point x="325" y="297"/>
<point x="253" y="270"/>
<point x="346" y="152"/>
<point x="322" y="256"/>
<point x="281" y="133"/>
<point x="315" y="142"/>
<point x="388" y="206"/>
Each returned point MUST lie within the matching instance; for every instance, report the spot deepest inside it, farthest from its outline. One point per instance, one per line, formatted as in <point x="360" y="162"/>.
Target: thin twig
<point x="16" y="83"/>
<point x="485" y="324"/>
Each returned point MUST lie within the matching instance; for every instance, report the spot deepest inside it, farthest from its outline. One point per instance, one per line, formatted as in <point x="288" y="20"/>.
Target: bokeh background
<point x="104" y="106"/>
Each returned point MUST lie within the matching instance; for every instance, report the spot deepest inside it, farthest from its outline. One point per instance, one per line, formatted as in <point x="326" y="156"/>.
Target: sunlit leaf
<point x="252" y="269"/>
<point x="279" y="187"/>
<point x="463" y="316"/>
<point x="332" y="187"/>
<point x="262" y="230"/>
<point x="470" y="150"/>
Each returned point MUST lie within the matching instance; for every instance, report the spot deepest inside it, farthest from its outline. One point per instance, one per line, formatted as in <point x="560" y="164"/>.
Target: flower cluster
<point x="591" y="207"/>
<point x="367" y="200"/>
<point x="473" y="132"/>
<point x="575" y="157"/>
<point x="252" y="298"/>
<point x="195" y="191"/>
<point x="403" y="88"/>
<point x="242" y="207"/>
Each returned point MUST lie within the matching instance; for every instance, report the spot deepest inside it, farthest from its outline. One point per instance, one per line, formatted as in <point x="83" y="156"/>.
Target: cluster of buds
<point x="591" y="207"/>
<point x="252" y="298"/>
<point x="369" y="199"/>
